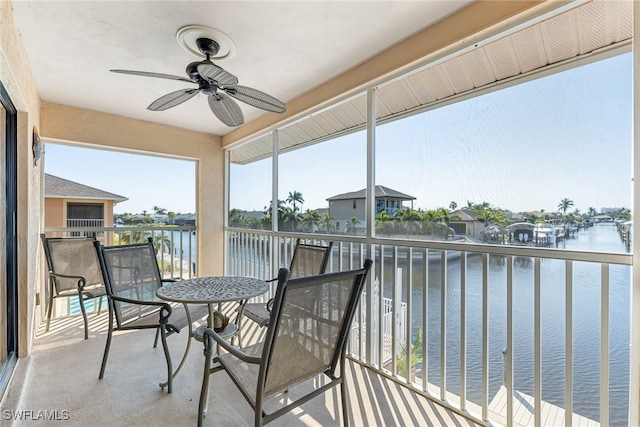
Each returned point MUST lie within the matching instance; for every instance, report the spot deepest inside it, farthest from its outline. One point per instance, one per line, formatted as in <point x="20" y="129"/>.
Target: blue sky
<point x="522" y="148"/>
<point x="147" y="181"/>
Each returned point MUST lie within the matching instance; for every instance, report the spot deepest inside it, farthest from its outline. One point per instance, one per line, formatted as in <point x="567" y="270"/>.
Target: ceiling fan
<point x="214" y="82"/>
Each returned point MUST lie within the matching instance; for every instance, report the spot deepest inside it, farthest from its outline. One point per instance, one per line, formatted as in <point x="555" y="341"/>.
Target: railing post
<point x="504" y="366"/>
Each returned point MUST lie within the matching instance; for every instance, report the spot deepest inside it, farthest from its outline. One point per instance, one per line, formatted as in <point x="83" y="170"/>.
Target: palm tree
<point x="426" y="221"/>
<point x="235" y="217"/>
<point x="294" y="198"/>
<point x="415" y="357"/>
<point x="131" y="237"/>
<point x="564" y="205"/>
<point x="309" y="219"/>
<point x="383" y="223"/>
<point x="268" y="211"/>
<point x="325" y="222"/>
<point x="487" y="217"/>
<point x="162" y="243"/>
<point x="408" y="217"/>
<point x="443" y="215"/>
<point x="453" y="206"/>
<point x="291" y="218"/>
<point x="350" y="227"/>
<point x="592" y="211"/>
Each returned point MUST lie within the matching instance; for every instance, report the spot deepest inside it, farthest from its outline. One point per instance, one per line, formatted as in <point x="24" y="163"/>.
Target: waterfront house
<point x="465" y="222"/>
<point x="345" y="69"/>
<point x="184" y="219"/>
<point x="72" y="204"/>
<point x="343" y="207"/>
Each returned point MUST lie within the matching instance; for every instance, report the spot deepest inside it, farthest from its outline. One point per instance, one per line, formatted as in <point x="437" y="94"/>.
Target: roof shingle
<point x="381" y="191"/>
<point x="57" y="187"/>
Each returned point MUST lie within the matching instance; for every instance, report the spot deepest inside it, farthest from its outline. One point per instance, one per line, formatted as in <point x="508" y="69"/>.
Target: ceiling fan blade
<point x="256" y="98"/>
<point x="172" y="99"/>
<point x="156" y="75"/>
<point x="211" y="71"/>
<point x="226" y="109"/>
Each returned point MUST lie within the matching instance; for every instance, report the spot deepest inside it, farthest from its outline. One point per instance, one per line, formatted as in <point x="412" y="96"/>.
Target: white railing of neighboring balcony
<point x="85" y="223"/>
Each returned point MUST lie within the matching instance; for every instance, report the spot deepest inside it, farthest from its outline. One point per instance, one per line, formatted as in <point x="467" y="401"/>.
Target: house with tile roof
<point x="71" y="204"/>
<point x="345" y="206"/>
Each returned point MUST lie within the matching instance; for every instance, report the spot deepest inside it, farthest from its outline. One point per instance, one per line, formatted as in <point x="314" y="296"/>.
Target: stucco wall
<point x="54" y="212"/>
<point x="15" y="75"/>
<point x="64" y="124"/>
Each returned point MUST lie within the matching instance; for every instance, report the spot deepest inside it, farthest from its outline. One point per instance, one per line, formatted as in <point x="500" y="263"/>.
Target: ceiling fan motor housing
<point x="208" y="47"/>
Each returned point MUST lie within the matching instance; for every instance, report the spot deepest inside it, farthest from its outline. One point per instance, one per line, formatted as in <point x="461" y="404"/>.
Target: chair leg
<point x="344" y="395"/>
<point x="107" y="346"/>
<point x="239" y="322"/>
<point x="84" y="316"/>
<point x="49" y="310"/>
<point x="167" y="356"/>
<point x="155" y="341"/>
<point x="100" y="305"/>
<point x="204" y="391"/>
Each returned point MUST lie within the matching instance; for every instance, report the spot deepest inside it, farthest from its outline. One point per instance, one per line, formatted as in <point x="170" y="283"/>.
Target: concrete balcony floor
<point x="61" y="374"/>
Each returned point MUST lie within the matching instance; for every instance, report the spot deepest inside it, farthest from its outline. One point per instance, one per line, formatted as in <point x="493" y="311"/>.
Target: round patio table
<point x="210" y="290"/>
<point x="213" y="289"/>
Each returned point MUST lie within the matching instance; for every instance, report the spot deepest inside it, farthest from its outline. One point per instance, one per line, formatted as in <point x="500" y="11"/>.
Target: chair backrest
<point x="72" y="256"/>
<point x="309" y="260"/>
<point x="309" y="326"/>
<point x="131" y="271"/>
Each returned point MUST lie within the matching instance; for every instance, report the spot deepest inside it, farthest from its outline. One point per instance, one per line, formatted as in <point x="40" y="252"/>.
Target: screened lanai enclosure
<point x="484" y="136"/>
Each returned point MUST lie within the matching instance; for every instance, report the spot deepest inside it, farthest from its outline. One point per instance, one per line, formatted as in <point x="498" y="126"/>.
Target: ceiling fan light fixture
<point x="188" y="36"/>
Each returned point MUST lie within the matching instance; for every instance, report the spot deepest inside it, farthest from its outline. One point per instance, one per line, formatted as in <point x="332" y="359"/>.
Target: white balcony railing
<point x="510" y="333"/>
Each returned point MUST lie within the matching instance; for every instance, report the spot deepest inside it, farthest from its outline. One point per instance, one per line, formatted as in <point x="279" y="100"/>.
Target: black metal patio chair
<point x="74" y="271"/>
<point x="307" y="260"/>
<point x="132" y="278"/>
<point x="306" y="338"/>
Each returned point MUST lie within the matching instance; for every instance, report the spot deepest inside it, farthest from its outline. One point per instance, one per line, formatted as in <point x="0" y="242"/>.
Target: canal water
<point x="586" y="324"/>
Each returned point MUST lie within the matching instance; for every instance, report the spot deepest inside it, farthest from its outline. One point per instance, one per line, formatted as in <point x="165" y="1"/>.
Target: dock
<point x="523" y="411"/>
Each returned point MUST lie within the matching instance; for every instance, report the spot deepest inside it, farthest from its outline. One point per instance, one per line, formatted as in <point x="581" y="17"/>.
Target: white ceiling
<point x="283" y="48"/>
<point x="585" y="32"/>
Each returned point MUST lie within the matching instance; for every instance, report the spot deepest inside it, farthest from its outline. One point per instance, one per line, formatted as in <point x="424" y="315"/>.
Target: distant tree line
<point x="432" y="222"/>
<point x="289" y="215"/>
<point x="144" y="218"/>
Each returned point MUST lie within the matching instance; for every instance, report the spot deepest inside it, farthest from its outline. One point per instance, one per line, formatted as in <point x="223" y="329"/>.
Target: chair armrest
<point x="81" y="280"/>
<point x="140" y="302"/>
<point x="65" y="276"/>
<point x="211" y="334"/>
<point x="164" y="312"/>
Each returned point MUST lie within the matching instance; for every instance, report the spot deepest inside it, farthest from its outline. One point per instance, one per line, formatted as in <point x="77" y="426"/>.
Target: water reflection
<point x="586" y="323"/>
